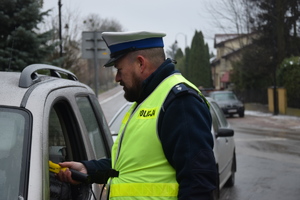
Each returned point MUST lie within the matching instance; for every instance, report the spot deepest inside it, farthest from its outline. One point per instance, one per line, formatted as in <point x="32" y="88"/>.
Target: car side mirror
<point x="225" y="132"/>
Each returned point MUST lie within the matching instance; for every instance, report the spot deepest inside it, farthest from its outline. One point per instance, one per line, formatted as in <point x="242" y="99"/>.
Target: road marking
<point x="111" y="97"/>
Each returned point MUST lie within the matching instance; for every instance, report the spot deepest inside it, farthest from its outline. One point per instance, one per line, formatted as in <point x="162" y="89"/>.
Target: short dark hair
<point x="155" y="55"/>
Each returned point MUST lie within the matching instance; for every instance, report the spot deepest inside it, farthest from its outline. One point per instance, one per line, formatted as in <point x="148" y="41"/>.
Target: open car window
<point x="65" y="144"/>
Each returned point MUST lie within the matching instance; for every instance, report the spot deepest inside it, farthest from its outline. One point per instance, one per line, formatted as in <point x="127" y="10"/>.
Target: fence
<point x="261" y="96"/>
<point x="253" y="96"/>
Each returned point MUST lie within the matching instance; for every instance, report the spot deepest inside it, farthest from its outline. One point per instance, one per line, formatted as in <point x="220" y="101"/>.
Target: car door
<point x="76" y="132"/>
<point x="223" y="146"/>
<point x="96" y="126"/>
<point x="66" y="143"/>
<point x="97" y="131"/>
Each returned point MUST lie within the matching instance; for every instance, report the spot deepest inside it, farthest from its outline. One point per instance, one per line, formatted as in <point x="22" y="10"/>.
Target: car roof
<point x="226" y="91"/>
<point x="9" y="90"/>
<point x="209" y="99"/>
<point x="13" y="91"/>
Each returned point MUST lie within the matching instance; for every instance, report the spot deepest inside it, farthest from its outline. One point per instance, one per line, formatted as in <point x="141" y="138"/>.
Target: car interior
<point x="64" y="145"/>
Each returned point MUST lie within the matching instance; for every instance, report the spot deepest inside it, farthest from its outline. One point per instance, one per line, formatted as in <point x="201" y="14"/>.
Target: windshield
<point x="224" y="96"/>
<point x="13" y="129"/>
<point x="116" y="122"/>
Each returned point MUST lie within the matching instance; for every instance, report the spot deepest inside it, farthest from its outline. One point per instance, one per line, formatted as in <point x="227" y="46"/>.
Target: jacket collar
<point x="163" y="71"/>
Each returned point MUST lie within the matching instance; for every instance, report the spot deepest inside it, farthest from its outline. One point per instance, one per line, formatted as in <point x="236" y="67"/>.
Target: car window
<point x="215" y="121"/>
<point x="220" y="115"/>
<point x="14" y="136"/>
<point x="92" y="126"/>
<point x="104" y="125"/>
<point x="64" y="134"/>
<point x="57" y="144"/>
<point x="224" y="96"/>
<point x="65" y="144"/>
<point x="117" y="121"/>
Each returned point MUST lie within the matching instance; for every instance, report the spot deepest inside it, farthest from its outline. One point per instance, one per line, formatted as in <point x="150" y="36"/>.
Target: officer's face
<point x="128" y="75"/>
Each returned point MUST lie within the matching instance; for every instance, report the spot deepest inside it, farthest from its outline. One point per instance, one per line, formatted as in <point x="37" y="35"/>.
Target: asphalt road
<point x="268" y="158"/>
<point x="111" y="101"/>
<point x="267" y="149"/>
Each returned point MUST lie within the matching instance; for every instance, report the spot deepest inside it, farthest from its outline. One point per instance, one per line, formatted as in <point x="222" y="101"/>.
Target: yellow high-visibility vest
<point x="144" y="171"/>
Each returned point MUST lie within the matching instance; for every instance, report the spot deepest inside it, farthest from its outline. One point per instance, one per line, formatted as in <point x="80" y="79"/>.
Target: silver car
<point x="224" y="146"/>
<point x="47" y="117"/>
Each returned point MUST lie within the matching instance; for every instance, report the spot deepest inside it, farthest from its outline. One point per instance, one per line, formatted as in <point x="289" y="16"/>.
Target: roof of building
<point x="220" y="39"/>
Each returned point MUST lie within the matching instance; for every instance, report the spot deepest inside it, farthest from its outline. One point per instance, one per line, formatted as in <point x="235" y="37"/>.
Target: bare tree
<point x="72" y="27"/>
<point x="71" y="34"/>
<point x="94" y="22"/>
<point x="233" y="16"/>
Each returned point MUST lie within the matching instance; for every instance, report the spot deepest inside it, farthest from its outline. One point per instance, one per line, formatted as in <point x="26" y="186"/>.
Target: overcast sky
<point x="179" y="19"/>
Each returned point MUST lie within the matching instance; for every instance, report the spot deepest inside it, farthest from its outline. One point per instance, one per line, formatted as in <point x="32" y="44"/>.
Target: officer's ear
<point x="142" y="62"/>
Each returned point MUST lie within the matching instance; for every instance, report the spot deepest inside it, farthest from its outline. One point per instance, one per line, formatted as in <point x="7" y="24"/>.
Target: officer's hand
<point x="65" y="176"/>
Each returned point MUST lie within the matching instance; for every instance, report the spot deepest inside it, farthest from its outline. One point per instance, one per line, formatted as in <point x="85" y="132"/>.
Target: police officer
<point x="164" y="146"/>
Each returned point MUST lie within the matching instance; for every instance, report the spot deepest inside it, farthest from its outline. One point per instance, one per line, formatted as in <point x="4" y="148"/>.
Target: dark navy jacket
<point x="184" y="128"/>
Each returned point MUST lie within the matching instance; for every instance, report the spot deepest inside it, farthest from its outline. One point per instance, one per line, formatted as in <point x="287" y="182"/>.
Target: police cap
<point x="121" y="43"/>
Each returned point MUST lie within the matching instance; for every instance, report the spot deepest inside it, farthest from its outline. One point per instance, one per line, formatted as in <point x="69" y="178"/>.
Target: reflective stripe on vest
<point x="144" y="190"/>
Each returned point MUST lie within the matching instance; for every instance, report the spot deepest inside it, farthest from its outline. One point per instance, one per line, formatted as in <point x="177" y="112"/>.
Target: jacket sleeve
<point x="99" y="170"/>
<point x="185" y="132"/>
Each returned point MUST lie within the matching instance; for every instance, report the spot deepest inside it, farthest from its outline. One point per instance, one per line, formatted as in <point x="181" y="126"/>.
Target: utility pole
<point x="60" y="37"/>
<point x="94" y="47"/>
<point x="275" y="55"/>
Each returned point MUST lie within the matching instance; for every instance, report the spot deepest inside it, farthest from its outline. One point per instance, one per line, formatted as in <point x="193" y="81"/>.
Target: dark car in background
<point x="228" y="102"/>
